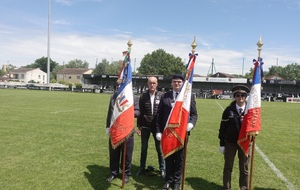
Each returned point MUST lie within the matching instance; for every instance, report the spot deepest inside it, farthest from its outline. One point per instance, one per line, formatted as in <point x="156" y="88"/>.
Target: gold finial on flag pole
<point x="129" y="43"/>
<point x="259" y="45"/>
<point x="194" y="45"/>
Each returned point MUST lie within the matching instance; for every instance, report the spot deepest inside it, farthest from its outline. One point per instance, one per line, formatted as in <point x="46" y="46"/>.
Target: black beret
<point x="178" y="76"/>
<point x="240" y="89"/>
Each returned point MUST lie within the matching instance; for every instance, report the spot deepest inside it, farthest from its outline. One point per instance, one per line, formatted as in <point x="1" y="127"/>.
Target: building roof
<point x="22" y="70"/>
<point x="73" y="71"/>
<point x="275" y="77"/>
<point x="223" y="75"/>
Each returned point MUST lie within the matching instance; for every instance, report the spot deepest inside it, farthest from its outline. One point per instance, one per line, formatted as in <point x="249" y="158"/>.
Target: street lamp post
<point x="48" y="48"/>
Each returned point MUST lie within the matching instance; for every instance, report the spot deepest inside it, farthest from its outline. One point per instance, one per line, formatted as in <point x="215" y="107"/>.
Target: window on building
<point x="78" y="77"/>
<point x="22" y="76"/>
<point x="69" y="77"/>
<point x="39" y="77"/>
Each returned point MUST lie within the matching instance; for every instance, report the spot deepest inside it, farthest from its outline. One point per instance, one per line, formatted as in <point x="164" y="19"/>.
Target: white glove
<point x="189" y="126"/>
<point x="222" y="149"/>
<point x="107" y="130"/>
<point x="158" y="136"/>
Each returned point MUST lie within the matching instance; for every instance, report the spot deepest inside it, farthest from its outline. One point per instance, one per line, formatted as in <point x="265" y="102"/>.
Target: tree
<point x="42" y="64"/>
<point x="161" y="63"/>
<point x="101" y="67"/>
<point x="114" y="68"/>
<point x="10" y="67"/>
<point x="77" y="63"/>
<point x="291" y="71"/>
<point x="7" y="69"/>
<point x="275" y="71"/>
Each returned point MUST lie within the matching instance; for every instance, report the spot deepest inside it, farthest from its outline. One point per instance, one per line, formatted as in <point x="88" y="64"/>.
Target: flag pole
<point x="194" y="45"/>
<point x="259" y="48"/>
<point x="129" y="44"/>
<point x="184" y="160"/>
<point x="123" y="167"/>
<point x="252" y="161"/>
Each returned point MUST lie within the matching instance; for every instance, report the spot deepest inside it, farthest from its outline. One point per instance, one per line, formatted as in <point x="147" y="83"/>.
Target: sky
<point x="226" y="31"/>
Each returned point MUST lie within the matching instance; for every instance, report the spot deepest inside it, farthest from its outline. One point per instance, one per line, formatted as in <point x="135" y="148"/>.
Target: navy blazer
<point x="165" y="107"/>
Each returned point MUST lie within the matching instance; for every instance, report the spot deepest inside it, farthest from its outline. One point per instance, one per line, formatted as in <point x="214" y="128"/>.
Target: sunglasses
<point x="240" y="95"/>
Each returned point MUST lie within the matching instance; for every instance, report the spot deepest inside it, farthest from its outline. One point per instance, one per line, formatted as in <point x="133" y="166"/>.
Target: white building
<point x="28" y="75"/>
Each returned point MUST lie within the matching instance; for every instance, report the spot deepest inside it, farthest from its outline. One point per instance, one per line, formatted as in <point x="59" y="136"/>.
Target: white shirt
<point x="174" y="95"/>
<point x="238" y="108"/>
<point x="152" y="96"/>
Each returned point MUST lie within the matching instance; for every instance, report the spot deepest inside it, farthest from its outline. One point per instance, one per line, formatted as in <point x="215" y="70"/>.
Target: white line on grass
<point x="271" y="165"/>
<point x="275" y="170"/>
<point x="65" y="111"/>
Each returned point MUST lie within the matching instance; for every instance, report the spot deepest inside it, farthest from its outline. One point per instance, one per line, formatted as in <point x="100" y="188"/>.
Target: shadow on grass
<point x="149" y="180"/>
<point x="97" y="176"/>
<point x="199" y="183"/>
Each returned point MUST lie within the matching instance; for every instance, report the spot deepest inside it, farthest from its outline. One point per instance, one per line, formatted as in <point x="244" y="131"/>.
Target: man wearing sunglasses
<point x="228" y="134"/>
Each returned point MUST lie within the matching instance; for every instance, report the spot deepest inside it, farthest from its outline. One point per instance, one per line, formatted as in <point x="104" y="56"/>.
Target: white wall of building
<point x="36" y="75"/>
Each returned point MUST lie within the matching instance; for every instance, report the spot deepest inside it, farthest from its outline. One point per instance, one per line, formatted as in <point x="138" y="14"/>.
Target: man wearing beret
<point x="228" y="134"/>
<point x="174" y="162"/>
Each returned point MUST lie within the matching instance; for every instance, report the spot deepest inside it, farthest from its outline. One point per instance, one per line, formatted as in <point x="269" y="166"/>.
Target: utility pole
<point x="243" y="66"/>
<point x="48" y="49"/>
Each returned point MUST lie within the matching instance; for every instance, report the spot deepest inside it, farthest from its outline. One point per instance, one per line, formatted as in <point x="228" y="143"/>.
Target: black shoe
<point x="110" y="178"/>
<point x="150" y="168"/>
<point x="176" y="187"/>
<point x="141" y="172"/>
<point x="126" y="179"/>
<point x="166" y="186"/>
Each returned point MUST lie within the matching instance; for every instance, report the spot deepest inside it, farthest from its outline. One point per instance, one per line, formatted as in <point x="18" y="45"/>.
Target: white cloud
<point x="61" y="22"/>
<point x="65" y="2"/>
<point x="70" y="2"/>
<point x="24" y="49"/>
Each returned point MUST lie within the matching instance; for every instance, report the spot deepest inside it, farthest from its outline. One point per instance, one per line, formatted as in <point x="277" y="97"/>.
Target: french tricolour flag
<point x="252" y="119"/>
<point x="122" y="121"/>
<point x="175" y="131"/>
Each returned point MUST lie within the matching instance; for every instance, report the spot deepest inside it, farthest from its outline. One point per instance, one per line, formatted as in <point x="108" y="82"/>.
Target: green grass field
<point x="57" y="140"/>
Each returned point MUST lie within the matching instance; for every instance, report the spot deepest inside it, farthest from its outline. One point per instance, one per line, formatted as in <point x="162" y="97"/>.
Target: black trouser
<point x="174" y="164"/>
<point x="229" y="154"/>
<point x="144" y="150"/>
<point x="115" y="154"/>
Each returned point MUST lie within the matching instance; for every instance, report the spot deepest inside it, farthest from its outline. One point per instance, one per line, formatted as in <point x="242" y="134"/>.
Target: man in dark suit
<point x="115" y="154"/>
<point x="174" y="162"/>
<point x="146" y="123"/>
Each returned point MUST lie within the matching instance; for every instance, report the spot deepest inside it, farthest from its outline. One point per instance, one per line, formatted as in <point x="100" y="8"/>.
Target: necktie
<point x="240" y="111"/>
<point x="241" y="114"/>
<point x="176" y="94"/>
